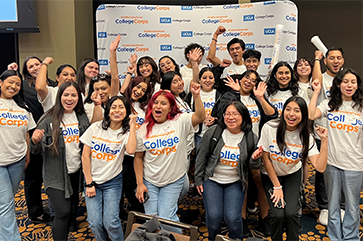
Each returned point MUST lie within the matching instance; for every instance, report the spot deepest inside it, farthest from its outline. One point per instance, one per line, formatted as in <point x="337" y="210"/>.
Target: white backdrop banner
<point x="166" y="30"/>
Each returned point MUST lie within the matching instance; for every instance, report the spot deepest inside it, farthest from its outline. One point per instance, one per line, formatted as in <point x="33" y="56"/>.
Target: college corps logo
<point x="217" y="20"/>
<point x="250" y="46"/>
<point x="235" y="33"/>
<point x="131" y="20"/>
<point x="269" y="31"/>
<point x="130" y="48"/>
<point x="291" y="48"/>
<point x="153" y="34"/>
<point x="152" y="8"/>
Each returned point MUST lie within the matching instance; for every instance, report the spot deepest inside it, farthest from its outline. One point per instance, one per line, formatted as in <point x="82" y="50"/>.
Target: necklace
<point x="184" y="105"/>
<point x="10" y="108"/>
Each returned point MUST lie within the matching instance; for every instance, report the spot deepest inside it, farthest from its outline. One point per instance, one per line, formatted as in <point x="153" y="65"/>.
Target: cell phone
<point x="146" y="196"/>
<point x="279" y="204"/>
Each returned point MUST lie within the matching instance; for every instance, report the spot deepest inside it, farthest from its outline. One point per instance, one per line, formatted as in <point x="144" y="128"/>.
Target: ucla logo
<point x="269" y="2"/>
<point x="165" y="20"/>
<point x="165" y="48"/>
<point x="101" y="7"/>
<point x="250" y="46"/>
<point x="247" y="18"/>
<point x="103" y="61"/>
<point x="269" y="31"/>
<point x="187" y="33"/>
<point x="187" y="8"/>
<point x="102" y="34"/>
<point x="268" y="60"/>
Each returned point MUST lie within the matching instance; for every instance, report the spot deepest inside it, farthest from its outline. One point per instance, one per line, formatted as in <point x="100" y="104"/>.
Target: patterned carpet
<point x="190" y="211"/>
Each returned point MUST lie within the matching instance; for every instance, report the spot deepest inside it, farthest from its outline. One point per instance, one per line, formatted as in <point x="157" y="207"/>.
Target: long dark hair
<point x="125" y="124"/>
<point x="57" y="112"/>
<point x="273" y="84"/>
<point x="97" y="78"/>
<point x="336" y="95"/>
<point x="242" y="109"/>
<point x="258" y="79"/>
<point x="168" y="79"/>
<point x="155" y="76"/>
<point x="81" y="77"/>
<point x="19" y="97"/>
<point x="303" y="127"/>
<point x="297" y="62"/>
<point x="145" y="98"/>
<point x="177" y="68"/>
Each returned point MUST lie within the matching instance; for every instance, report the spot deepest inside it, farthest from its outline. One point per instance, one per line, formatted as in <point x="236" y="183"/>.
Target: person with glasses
<point x="287" y="144"/>
<point x="221" y="173"/>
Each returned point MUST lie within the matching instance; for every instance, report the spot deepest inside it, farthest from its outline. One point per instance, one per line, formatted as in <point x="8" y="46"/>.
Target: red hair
<point x="149" y="119"/>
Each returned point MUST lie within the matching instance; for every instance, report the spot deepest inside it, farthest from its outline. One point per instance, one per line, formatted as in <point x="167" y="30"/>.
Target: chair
<point x="131" y="226"/>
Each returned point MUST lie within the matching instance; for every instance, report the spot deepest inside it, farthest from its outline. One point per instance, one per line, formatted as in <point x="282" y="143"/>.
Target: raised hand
<point x="195" y="54"/>
<point x="13" y="66"/>
<point x="234" y="84"/>
<point x="114" y="44"/>
<point x="316" y="85"/>
<point x="226" y="63"/>
<point x="131" y="69"/>
<point x="220" y="30"/>
<point x="322" y="132"/>
<point x="195" y="88"/>
<point x="133" y="59"/>
<point x="95" y="97"/>
<point x="133" y="119"/>
<point x="260" y="90"/>
<point x="319" y="54"/>
<point x="48" y="60"/>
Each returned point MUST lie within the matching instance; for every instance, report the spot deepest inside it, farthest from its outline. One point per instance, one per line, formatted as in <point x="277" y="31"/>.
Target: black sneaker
<point x="246" y="230"/>
<point x="44" y="218"/>
<point x="73" y="225"/>
<point x="264" y="226"/>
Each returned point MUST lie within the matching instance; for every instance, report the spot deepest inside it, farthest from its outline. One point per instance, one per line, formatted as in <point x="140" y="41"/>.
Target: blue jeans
<point x="163" y="201"/>
<point x="223" y="201"/>
<point x="10" y="177"/>
<point x="197" y="140"/>
<point x="103" y="210"/>
<point x="348" y="182"/>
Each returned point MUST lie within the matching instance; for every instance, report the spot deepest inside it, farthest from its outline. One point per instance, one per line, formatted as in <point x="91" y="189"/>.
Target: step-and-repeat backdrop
<point x="166" y="30"/>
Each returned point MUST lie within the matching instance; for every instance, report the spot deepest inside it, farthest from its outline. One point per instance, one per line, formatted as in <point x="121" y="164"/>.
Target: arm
<point x="259" y="92"/>
<point x="41" y="82"/>
<point x="314" y="113"/>
<point x="86" y="165"/>
<point x="115" y="82"/>
<point x="27" y="160"/>
<point x="278" y="194"/>
<point x="199" y="114"/>
<point x="97" y="114"/>
<point x="131" y="143"/>
<point x="320" y="160"/>
<point x="213" y="47"/>
<point x="139" y="172"/>
<point x="317" y="68"/>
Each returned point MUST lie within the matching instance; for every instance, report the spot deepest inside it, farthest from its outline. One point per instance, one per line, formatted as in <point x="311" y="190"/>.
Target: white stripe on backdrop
<point x="166" y="30"/>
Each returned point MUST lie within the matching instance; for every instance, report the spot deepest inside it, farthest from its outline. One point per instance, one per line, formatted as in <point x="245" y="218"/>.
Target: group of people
<point x="253" y="139"/>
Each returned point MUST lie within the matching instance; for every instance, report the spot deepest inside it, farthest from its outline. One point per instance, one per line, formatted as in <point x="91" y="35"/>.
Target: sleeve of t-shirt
<point x="31" y="122"/>
<point x="323" y="107"/>
<point x="140" y="141"/>
<point x="186" y="121"/>
<point x="86" y="138"/>
<point x="265" y="132"/>
<point x="88" y="108"/>
<point x="47" y="103"/>
<point x="313" y="150"/>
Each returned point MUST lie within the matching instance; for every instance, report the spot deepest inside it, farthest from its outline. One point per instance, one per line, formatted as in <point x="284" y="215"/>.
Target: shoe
<point x="323" y="217"/>
<point x="192" y="189"/>
<point x="265" y="227"/>
<point x="73" y="225"/>
<point x="342" y="213"/>
<point x="44" y="218"/>
<point x="246" y="230"/>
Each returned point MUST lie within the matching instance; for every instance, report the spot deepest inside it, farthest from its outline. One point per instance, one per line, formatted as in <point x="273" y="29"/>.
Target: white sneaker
<point x="342" y="213"/>
<point x="323" y="217"/>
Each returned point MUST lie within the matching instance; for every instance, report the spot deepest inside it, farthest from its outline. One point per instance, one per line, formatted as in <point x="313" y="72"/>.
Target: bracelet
<point x="214" y="39"/>
<point x="317" y="59"/>
<point x="129" y="73"/>
<point x="44" y="63"/>
<point x="98" y="104"/>
<point x="92" y="184"/>
<point x="277" y="188"/>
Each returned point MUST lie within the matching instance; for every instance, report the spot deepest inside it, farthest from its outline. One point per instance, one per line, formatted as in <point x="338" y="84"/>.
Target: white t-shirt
<point x="184" y="107"/>
<point x="139" y="113"/>
<point x="327" y="83"/>
<point x="15" y="122"/>
<point x="107" y="151"/>
<point x="70" y="133"/>
<point x="254" y="112"/>
<point x="303" y="91"/>
<point x="226" y="169"/>
<point x="49" y="100"/>
<point x="165" y="159"/>
<point x="233" y="69"/>
<point x="187" y="75"/>
<point x="345" y="143"/>
<point x="89" y="109"/>
<point x="279" y="98"/>
<point x="288" y="161"/>
<point x="208" y="99"/>
<point x="156" y="87"/>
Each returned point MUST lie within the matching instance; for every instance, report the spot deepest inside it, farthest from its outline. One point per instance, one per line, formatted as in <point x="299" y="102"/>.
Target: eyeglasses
<point x="252" y="80"/>
<point x="100" y="77"/>
<point x="233" y="114"/>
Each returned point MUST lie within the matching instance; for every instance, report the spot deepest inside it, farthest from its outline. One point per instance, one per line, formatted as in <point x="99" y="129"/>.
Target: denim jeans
<point x="10" y="177"/>
<point x="336" y="181"/>
<point x="163" y="201"/>
<point x="197" y="140"/>
<point x="103" y="210"/>
<point x="223" y="201"/>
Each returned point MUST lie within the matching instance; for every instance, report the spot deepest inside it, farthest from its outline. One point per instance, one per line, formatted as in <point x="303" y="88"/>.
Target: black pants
<point x="129" y="184"/>
<point x="63" y="207"/>
<point x="290" y="215"/>
<point x="33" y="186"/>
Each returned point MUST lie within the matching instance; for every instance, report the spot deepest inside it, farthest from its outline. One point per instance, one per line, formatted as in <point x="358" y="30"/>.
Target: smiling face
<point x="161" y="109"/>
<point x="236" y="52"/>
<point x="166" y="65"/>
<point x="303" y="68"/>
<point x="177" y="85"/>
<point x="33" y="67"/>
<point x="67" y="74"/>
<point x="283" y="76"/>
<point x="10" y="87"/>
<point x="146" y="70"/>
<point x="233" y="119"/>
<point x="91" y="70"/>
<point x="252" y="64"/>
<point x="117" y="111"/>
<point x="207" y="81"/>
<point x="248" y="82"/>
<point x="103" y="89"/>
<point x="349" y="86"/>
<point x="69" y="99"/>
<point x="138" y="91"/>
<point x="334" y="62"/>
<point x="292" y="116"/>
